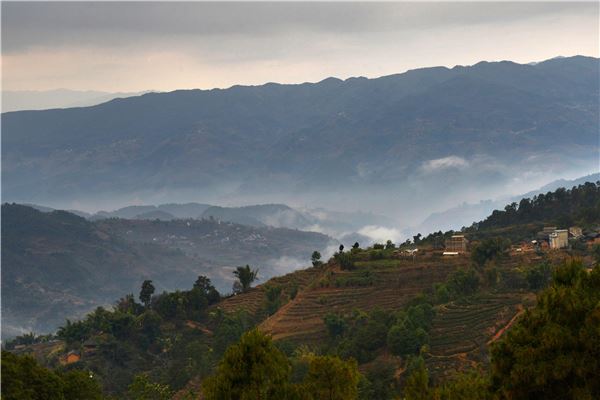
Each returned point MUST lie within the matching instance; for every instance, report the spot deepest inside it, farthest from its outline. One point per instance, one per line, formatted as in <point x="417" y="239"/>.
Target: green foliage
<point x="273" y="298"/>
<point x="331" y="378"/>
<point x="252" y="369"/>
<point x="463" y="282"/>
<point x="143" y="389"/>
<point x="146" y="292"/>
<point x="345" y="260"/>
<point x="245" y="276"/>
<point x="538" y="276"/>
<point x="364" y="278"/>
<point x="441" y="294"/>
<point x="596" y="253"/>
<point x="24" y="379"/>
<point x="472" y="385"/>
<point x="553" y="351"/>
<point x="316" y="259"/>
<point x="580" y="205"/>
<point x="205" y="286"/>
<point x="389" y="245"/>
<point x="403" y="339"/>
<point x="489" y="249"/>
<point x="409" y="333"/>
<point x="359" y="334"/>
<point x="336" y="324"/>
<point x="416" y="386"/>
<point x="379" y="382"/>
<point x="229" y="328"/>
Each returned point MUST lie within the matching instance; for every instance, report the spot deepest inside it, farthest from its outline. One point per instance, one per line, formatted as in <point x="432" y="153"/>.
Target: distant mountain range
<point x="423" y="137"/>
<point x="18" y="100"/>
<point x="57" y="265"/>
<point x="341" y="225"/>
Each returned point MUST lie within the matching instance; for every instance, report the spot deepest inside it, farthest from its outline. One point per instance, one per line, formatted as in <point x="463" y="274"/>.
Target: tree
<point x="553" y="350"/>
<point x="389" y="245"/>
<point x="316" y="259"/>
<point x="143" y="389"/>
<point x="24" y="379"/>
<point x="205" y="285"/>
<point x="330" y="378"/>
<point x="417" y="238"/>
<point x="403" y="339"/>
<point x="463" y="282"/>
<point x="251" y="369"/>
<point x="416" y="386"/>
<point x="81" y="385"/>
<point x="146" y="292"/>
<point x="341" y="248"/>
<point x="489" y="249"/>
<point x="245" y="276"/>
<point x="336" y="324"/>
<point x="472" y="385"/>
<point x="356" y="246"/>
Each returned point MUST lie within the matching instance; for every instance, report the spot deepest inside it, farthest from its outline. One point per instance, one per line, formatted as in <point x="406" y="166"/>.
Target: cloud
<point x="134" y="46"/>
<point x="444" y="163"/>
<point x="381" y="234"/>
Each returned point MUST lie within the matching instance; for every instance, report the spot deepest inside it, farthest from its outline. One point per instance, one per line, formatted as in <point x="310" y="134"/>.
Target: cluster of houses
<point x="549" y="238"/>
<point x="553" y="238"/>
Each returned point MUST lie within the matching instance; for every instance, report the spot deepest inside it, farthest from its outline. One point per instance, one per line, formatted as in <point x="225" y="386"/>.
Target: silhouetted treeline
<point x="579" y="205"/>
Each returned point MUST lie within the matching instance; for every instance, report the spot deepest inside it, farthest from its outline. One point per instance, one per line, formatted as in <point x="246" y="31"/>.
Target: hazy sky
<point x="164" y="46"/>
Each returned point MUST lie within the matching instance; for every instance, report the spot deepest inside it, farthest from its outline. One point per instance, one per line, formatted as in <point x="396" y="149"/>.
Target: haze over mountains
<point x="17" y="100"/>
<point x="57" y="265"/>
<point x="402" y="145"/>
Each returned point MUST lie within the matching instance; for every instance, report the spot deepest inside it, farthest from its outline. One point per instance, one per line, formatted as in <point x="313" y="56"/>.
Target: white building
<point x="559" y="239"/>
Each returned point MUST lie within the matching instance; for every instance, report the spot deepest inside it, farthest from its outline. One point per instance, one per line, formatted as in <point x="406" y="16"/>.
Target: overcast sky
<point x="165" y="46"/>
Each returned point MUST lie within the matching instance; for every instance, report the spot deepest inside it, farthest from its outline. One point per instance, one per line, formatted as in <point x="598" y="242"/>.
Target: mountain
<point x="422" y="137"/>
<point x="162" y="211"/>
<point x="465" y="214"/>
<point x="57" y="265"/>
<point x="16" y="100"/>
<point x="277" y="215"/>
<point x="379" y="306"/>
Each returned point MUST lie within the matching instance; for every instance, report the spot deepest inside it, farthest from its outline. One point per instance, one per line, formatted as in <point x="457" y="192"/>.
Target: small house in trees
<point x="576" y="232"/>
<point x="71" y="357"/>
<point x="457" y="244"/>
<point x="559" y="239"/>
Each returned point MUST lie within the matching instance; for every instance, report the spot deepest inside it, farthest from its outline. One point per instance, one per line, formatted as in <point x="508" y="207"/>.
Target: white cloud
<point x="381" y="233"/>
<point x="439" y="164"/>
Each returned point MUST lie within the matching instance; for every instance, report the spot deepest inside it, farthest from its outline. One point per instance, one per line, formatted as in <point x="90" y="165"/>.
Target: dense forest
<point x="563" y="207"/>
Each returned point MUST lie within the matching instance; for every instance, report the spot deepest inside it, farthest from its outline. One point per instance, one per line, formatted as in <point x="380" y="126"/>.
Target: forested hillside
<point x="579" y="205"/>
<point x="56" y="265"/>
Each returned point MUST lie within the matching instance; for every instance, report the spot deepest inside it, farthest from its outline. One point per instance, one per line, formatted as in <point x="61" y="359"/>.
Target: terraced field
<point x="253" y="300"/>
<point x="462" y="330"/>
<point x="389" y="284"/>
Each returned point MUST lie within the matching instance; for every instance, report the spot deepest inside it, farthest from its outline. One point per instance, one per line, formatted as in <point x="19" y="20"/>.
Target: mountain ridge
<point x="288" y="140"/>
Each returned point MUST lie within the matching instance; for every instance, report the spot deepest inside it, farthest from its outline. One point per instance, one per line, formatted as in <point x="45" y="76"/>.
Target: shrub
<point x="463" y="282"/>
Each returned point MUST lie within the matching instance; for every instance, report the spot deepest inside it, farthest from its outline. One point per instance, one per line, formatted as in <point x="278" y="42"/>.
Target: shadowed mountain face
<point x="443" y="128"/>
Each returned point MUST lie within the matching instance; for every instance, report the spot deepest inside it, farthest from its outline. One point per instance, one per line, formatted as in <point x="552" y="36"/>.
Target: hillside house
<point x="71" y="357"/>
<point x="576" y="232"/>
<point x="456" y="244"/>
<point x="559" y="239"/>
